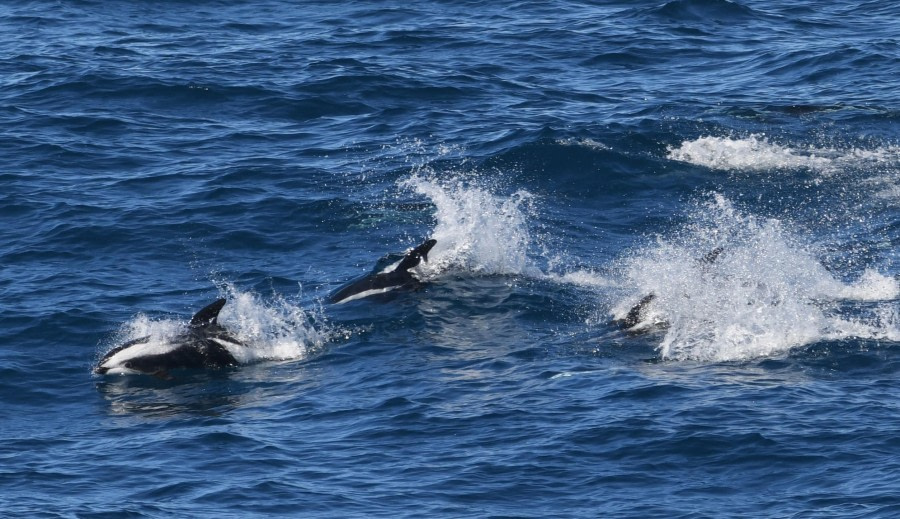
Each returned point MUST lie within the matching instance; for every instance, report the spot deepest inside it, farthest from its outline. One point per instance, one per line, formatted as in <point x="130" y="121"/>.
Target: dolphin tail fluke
<point x="208" y="315"/>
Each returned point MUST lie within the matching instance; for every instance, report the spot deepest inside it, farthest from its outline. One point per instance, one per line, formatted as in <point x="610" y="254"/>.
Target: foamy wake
<point x="757" y="153"/>
<point x="763" y="294"/>
<point x="477" y="231"/>
<point x="271" y="330"/>
<point x="584" y="142"/>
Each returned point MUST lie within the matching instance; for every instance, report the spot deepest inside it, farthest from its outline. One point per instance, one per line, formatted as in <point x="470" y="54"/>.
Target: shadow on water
<point x="823" y="362"/>
<point x="207" y="393"/>
<point x="210" y="393"/>
<point x="842" y="359"/>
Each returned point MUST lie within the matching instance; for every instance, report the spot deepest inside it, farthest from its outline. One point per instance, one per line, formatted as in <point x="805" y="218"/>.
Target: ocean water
<point x="569" y="158"/>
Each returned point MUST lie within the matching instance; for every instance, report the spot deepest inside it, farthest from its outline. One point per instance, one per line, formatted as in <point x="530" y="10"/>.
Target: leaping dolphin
<point x="203" y="345"/>
<point x="379" y="283"/>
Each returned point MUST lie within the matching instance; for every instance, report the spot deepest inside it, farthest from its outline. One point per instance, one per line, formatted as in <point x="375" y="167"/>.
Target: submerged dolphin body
<point x="385" y="281"/>
<point x="202" y="346"/>
<point x="636" y="315"/>
<point x="636" y="320"/>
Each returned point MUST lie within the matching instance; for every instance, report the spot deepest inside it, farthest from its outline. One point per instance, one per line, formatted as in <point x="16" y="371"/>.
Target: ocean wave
<point x="703" y="10"/>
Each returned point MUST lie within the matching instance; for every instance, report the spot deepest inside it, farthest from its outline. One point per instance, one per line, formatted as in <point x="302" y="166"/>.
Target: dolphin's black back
<point x="198" y="354"/>
<point x="636" y="314"/>
<point x="398" y="277"/>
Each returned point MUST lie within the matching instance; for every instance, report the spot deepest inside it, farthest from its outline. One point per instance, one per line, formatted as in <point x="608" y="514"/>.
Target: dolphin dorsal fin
<point x="416" y="255"/>
<point x="208" y="314"/>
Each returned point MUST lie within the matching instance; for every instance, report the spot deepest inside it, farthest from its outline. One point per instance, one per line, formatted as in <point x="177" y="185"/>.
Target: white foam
<point x="757" y="153"/>
<point x="583" y="142"/>
<point x="871" y="286"/>
<point x="886" y="184"/>
<point x="583" y="278"/>
<point x="273" y="330"/>
<point x="765" y="292"/>
<point x="477" y="231"/>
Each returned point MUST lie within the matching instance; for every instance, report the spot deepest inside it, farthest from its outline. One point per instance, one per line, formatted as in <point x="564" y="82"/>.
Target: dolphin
<point x="636" y="315"/>
<point x="203" y="345"/>
<point x="382" y="282"/>
<point x="635" y="321"/>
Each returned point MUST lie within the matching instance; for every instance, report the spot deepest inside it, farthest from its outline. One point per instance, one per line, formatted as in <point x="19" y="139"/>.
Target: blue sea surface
<point x="569" y="157"/>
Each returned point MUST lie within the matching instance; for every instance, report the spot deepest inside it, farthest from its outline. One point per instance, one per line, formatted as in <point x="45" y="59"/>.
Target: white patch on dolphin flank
<point x="366" y="293"/>
<point x="116" y="363"/>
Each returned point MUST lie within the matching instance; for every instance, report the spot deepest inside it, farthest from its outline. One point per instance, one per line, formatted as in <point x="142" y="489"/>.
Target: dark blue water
<point x="569" y="157"/>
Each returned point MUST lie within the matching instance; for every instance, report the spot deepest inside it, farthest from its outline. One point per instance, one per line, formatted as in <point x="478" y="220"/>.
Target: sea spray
<point x="476" y="230"/>
<point x="764" y="293"/>
<point x="276" y="329"/>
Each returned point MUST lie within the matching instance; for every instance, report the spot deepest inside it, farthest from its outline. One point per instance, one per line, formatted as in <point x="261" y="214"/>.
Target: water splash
<point x="583" y="278"/>
<point x="476" y="230"/>
<point x="276" y="329"/>
<point x="764" y="293"/>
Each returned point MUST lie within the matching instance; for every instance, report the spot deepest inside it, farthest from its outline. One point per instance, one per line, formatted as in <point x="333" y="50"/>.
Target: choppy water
<point x="569" y="157"/>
